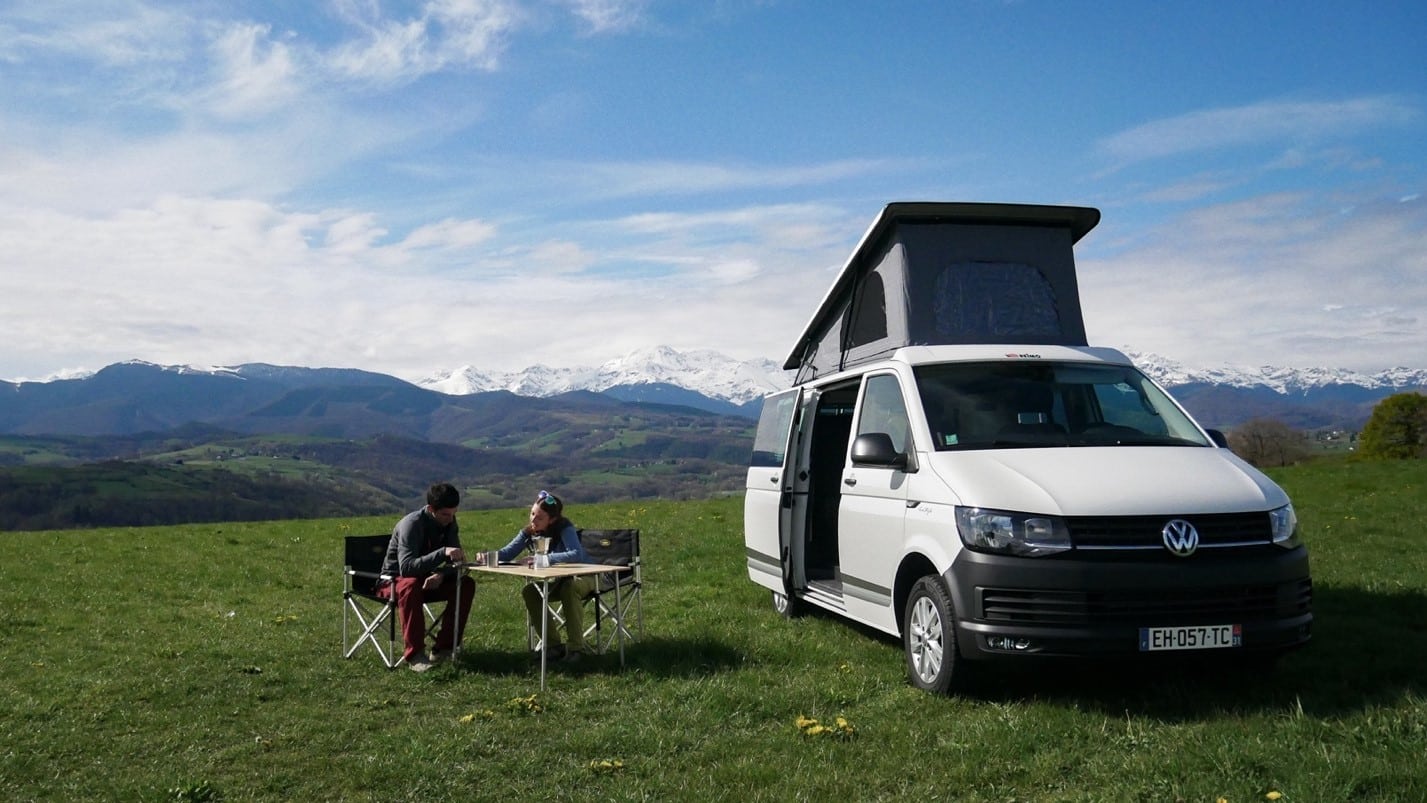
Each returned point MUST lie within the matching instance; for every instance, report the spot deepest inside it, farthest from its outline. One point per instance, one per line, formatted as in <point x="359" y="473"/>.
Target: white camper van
<point x="954" y="464"/>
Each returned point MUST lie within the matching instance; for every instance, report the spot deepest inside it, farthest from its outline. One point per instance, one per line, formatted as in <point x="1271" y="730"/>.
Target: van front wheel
<point x="786" y="606"/>
<point x="929" y="638"/>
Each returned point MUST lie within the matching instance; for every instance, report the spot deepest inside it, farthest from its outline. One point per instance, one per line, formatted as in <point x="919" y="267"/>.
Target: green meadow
<point x="203" y="662"/>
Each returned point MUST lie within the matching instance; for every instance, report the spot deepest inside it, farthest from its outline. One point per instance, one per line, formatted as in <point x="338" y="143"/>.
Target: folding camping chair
<point x="616" y="594"/>
<point x="363" y="573"/>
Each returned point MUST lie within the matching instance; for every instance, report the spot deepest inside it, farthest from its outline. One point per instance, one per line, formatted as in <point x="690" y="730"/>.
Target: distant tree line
<point x="132" y="494"/>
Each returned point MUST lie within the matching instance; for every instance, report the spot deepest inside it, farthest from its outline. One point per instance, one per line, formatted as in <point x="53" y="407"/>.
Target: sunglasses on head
<point x="546" y="499"/>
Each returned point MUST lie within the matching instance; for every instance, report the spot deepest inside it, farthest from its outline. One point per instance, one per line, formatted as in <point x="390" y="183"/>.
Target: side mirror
<point x="1218" y="438"/>
<point x="875" y="449"/>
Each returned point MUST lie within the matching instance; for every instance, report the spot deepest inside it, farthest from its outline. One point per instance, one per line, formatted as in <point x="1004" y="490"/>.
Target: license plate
<point x="1191" y="637"/>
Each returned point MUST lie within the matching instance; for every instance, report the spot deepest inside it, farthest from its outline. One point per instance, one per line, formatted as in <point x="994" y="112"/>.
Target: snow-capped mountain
<point x="706" y="372"/>
<point x="739" y="381"/>
<point x="1221" y="396"/>
<point x="134" y="395"/>
<point x="1286" y="381"/>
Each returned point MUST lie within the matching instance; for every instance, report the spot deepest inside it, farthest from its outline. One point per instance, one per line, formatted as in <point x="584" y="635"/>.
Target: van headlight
<point x="1284" y="523"/>
<point x="1006" y="533"/>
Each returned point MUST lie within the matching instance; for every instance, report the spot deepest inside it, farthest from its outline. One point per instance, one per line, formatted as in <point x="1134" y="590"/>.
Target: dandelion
<point x="529" y="705"/>
<point x="606" y="765"/>
<point x="1274" y="795"/>
<point x="840" y="727"/>
<point x="484" y="713"/>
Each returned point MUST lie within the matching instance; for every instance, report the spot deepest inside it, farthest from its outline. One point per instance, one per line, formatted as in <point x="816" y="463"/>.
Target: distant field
<point x="202" y="662"/>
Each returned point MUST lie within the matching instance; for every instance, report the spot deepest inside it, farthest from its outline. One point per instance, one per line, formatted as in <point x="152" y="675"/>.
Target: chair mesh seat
<point x="616" y="596"/>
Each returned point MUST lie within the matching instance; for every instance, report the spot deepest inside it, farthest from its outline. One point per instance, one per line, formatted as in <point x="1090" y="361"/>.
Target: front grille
<point x="1141" y="532"/>
<point x="1147" y="606"/>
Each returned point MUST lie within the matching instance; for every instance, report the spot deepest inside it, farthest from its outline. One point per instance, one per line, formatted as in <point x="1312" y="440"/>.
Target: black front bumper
<point x="1094" y="604"/>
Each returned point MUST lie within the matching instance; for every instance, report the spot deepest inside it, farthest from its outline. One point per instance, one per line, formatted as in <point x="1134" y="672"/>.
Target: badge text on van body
<point x="1180" y="537"/>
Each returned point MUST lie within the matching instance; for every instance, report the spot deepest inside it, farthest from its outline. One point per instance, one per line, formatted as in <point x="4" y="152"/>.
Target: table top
<point x="553" y="571"/>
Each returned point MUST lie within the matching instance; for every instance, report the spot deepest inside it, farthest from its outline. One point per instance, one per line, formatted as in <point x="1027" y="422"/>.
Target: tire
<point x="786" y="606"/>
<point x="929" y="639"/>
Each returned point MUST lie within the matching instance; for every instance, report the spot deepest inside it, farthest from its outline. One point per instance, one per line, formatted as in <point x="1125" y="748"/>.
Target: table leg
<point x="456" y="638"/>
<point x="544" y="627"/>
<point x="619" y="617"/>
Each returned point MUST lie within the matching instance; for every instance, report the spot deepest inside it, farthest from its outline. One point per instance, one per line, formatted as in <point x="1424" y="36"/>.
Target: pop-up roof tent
<point x="944" y="273"/>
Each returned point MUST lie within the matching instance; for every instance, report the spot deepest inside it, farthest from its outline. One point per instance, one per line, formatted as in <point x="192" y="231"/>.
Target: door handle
<point x="773" y="480"/>
<point x="850" y="481"/>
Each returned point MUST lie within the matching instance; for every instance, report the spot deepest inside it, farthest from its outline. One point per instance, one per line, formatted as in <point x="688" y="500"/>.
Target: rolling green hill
<point x="592" y="449"/>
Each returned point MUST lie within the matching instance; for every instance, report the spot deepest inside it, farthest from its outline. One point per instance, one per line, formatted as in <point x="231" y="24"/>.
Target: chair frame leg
<point x="370" y="622"/>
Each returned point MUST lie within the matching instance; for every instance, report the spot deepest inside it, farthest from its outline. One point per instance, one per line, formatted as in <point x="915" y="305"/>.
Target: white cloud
<point x="450" y="234"/>
<point x="198" y="280"/>
<point x="253" y="74"/>
<point x="608" y="15"/>
<point x="118" y="34"/>
<point x="1286" y="279"/>
<point x="446" y="33"/>
<point x="1270" y="121"/>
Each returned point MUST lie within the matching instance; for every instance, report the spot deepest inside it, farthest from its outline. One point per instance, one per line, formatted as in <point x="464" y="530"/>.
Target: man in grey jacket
<point x="422" y="543"/>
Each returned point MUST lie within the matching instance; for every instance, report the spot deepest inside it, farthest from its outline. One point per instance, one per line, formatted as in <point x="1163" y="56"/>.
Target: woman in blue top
<point x="547" y="519"/>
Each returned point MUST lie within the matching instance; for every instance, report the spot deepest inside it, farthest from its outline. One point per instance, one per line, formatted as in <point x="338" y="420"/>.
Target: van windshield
<point x="1020" y="404"/>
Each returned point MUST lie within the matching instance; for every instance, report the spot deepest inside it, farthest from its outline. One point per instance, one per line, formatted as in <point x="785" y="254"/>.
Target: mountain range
<point x="135" y="396"/>
<point x="142" y="444"/>
<point x="1222" y="397"/>
<point x="702" y="378"/>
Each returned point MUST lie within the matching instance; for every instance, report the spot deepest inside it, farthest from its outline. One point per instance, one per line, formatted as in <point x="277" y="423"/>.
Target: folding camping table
<point x="541" y="578"/>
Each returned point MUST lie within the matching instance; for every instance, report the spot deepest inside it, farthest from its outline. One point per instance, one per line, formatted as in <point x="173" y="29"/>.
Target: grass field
<point x="203" y="663"/>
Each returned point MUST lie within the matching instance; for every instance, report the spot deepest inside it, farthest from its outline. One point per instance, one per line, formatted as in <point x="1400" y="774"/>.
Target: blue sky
<point x="412" y="187"/>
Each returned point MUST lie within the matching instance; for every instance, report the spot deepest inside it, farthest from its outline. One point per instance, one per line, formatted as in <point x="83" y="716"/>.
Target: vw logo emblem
<point x="1180" y="538"/>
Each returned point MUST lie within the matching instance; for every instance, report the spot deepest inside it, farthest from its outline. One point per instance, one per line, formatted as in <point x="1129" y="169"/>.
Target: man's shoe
<point x="573" y="657"/>
<point x="419" y="662"/>
<point x="554" y="653"/>
<point x="441" y="655"/>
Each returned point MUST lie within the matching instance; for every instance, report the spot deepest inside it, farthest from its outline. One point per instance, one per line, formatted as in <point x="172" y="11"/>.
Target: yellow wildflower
<point x="530" y="704"/>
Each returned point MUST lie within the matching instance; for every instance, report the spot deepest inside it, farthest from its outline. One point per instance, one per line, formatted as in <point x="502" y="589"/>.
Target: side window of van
<point x="771" y="440"/>
<point x="884" y="410"/>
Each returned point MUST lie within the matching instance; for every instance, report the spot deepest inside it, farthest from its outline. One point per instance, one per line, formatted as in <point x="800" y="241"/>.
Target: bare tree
<point x="1268" y="442"/>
